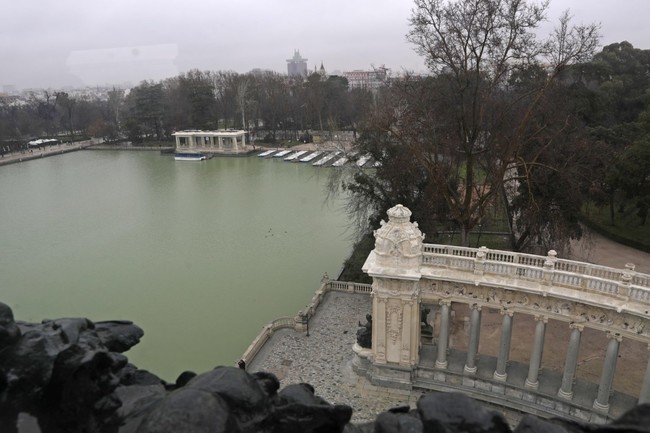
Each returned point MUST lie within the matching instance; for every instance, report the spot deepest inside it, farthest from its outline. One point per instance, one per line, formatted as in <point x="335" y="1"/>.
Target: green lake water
<point x="201" y="255"/>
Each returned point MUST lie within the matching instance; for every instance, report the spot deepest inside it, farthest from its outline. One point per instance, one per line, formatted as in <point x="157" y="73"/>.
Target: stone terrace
<point x="324" y="359"/>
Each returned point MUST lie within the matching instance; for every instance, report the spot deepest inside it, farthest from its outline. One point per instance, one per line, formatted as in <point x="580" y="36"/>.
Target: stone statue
<point x="426" y="330"/>
<point x="69" y="376"/>
<point x="62" y="372"/>
<point x="227" y="399"/>
<point x="364" y="334"/>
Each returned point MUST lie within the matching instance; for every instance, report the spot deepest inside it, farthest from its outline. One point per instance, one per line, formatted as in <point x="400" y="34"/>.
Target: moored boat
<point x="189" y="156"/>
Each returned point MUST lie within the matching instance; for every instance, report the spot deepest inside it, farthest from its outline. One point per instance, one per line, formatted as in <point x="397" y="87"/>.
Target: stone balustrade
<point x="410" y="276"/>
<point x="625" y="283"/>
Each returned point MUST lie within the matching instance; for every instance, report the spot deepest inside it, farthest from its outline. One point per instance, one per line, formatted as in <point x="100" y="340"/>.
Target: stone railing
<point x="344" y="286"/>
<point x="622" y="283"/>
<point x="264" y="336"/>
<point x="299" y="322"/>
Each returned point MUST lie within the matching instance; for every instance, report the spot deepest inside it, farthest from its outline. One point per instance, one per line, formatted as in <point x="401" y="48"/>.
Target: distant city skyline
<point x="74" y="43"/>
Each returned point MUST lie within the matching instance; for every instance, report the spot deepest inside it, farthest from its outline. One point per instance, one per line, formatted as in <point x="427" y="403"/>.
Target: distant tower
<point x="297" y="65"/>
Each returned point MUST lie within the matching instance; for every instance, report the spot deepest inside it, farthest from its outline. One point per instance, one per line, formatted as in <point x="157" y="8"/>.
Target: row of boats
<point x="318" y="158"/>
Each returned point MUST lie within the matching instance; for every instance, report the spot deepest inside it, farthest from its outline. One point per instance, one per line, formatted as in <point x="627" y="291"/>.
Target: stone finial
<point x="398" y="243"/>
<point x="399" y="214"/>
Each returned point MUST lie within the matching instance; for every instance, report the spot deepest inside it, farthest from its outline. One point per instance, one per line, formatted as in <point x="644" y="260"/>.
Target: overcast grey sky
<point x="44" y="43"/>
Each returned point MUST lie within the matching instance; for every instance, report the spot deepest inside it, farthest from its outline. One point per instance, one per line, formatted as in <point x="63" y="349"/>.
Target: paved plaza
<point x="324" y="359"/>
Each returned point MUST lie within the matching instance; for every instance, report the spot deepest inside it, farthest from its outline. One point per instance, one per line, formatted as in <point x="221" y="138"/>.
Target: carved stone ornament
<point x="398" y="243"/>
<point x="394" y="319"/>
<point x="396" y="288"/>
<point x="627" y="324"/>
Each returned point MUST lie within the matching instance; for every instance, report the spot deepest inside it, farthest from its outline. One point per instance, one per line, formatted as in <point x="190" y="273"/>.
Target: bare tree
<point x="464" y="128"/>
<point x="242" y="98"/>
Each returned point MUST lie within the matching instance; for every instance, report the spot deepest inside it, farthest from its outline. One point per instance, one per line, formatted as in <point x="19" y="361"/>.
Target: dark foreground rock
<point x="68" y="375"/>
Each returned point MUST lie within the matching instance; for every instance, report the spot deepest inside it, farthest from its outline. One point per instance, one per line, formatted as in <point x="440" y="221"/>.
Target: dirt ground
<point x="633" y="355"/>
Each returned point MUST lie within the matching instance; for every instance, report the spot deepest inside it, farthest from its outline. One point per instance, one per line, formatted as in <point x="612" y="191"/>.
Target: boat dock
<point x="294" y="156"/>
<point x="320" y="158"/>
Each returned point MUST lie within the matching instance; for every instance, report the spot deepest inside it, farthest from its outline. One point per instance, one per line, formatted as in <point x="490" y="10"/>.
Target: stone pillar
<point x="644" y="396"/>
<point x="474" y="337"/>
<point x="571" y="362"/>
<point x="443" y="335"/>
<point x="379" y="329"/>
<point x="407" y="332"/>
<point x="504" y="346"/>
<point x="536" y="355"/>
<point x="394" y="265"/>
<point x="607" y="377"/>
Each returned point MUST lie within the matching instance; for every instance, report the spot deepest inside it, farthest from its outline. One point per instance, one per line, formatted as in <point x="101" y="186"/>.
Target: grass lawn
<point x="627" y="228"/>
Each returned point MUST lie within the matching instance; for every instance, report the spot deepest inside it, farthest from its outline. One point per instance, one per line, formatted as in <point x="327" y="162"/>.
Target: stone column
<point x="379" y="329"/>
<point x="644" y="397"/>
<point x="443" y="335"/>
<point x="571" y="362"/>
<point x="504" y="346"/>
<point x="474" y="336"/>
<point x="407" y="328"/>
<point x="536" y="355"/>
<point x="607" y="377"/>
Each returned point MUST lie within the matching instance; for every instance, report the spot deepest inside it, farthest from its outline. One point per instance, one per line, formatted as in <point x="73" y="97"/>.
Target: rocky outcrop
<point x="69" y="376"/>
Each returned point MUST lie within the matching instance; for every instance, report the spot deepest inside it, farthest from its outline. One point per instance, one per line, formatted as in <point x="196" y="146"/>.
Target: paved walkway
<point x="15" y="157"/>
<point x="595" y="248"/>
<point x="324" y="359"/>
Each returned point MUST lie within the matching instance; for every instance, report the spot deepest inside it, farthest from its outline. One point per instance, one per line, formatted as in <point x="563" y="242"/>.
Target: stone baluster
<point x="571" y="362"/>
<point x="536" y="355"/>
<point x="474" y="336"/>
<point x="607" y="377"/>
<point x="644" y="396"/>
<point x="549" y="267"/>
<point x="625" y="281"/>
<point x="504" y="346"/>
<point x="443" y="336"/>
<point x="479" y="262"/>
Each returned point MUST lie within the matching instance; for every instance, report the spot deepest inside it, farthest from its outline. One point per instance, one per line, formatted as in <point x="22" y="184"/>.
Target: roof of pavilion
<point x="217" y="133"/>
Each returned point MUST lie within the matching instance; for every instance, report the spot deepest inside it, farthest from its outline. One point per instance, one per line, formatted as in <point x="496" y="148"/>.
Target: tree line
<point x="194" y="100"/>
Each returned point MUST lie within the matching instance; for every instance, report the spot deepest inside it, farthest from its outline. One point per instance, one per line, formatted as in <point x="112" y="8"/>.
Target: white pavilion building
<point x="223" y="141"/>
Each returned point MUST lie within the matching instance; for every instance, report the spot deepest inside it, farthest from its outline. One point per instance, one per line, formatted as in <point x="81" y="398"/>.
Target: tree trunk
<point x="464" y="236"/>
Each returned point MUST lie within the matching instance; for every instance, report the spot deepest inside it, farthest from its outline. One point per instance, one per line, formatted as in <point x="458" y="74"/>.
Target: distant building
<point x="9" y="89"/>
<point x="296" y="66"/>
<point x="359" y="79"/>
